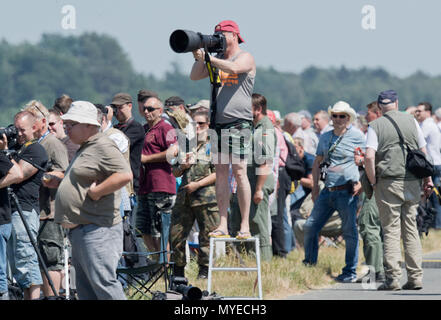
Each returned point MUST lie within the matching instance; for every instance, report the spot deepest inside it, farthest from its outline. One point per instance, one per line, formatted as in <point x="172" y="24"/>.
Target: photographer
<point x="335" y="165"/>
<point x="50" y="234"/>
<point x="233" y="110"/>
<point x="10" y="172"/>
<point x="21" y="254"/>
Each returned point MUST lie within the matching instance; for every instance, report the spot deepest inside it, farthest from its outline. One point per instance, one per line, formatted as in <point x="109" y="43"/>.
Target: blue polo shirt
<point x="343" y="168"/>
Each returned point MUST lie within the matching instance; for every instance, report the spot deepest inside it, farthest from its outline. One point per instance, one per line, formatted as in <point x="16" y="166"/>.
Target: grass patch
<point x="283" y="277"/>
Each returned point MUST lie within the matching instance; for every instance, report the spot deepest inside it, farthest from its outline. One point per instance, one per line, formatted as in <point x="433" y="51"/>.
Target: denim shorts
<point x="21" y="254"/>
<point x="154" y="210"/>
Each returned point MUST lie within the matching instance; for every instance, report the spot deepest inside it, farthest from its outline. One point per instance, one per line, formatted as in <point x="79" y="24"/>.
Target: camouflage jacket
<point x="201" y="169"/>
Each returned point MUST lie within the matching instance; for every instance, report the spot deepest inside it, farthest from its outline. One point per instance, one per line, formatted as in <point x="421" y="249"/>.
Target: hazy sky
<point x="288" y="35"/>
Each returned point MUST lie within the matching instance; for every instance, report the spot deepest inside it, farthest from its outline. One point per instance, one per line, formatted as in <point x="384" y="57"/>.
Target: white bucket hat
<point x="82" y="112"/>
<point x="343" y="107"/>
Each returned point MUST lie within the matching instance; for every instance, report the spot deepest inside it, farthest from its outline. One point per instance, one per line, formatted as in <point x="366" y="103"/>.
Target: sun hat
<point x="204" y="103"/>
<point x="342" y="107"/>
<point x="82" y="112"/>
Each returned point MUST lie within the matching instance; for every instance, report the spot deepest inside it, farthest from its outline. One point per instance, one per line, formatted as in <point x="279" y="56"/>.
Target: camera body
<point x="182" y="41"/>
<point x="11" y="134"/>
<point x="180" y="285"/>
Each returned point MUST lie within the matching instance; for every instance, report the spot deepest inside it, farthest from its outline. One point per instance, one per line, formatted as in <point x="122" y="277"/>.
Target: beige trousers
<point x="397" y="202"/>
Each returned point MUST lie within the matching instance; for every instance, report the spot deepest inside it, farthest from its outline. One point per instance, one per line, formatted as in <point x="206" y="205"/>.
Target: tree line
<point x="94" y="67"/>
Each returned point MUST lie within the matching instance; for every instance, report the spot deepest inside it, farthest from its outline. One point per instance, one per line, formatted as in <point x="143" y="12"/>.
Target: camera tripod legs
<point x="33" y="242"/>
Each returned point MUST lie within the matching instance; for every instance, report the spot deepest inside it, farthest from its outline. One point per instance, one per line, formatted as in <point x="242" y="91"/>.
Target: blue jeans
<point x="434" y="201"/>
<point x="22" y="257"/>
<point x="290" y="243"/>
<point x="95" y="254"/>
<point x="324" y="206"/>
<point x="5" y="233"/>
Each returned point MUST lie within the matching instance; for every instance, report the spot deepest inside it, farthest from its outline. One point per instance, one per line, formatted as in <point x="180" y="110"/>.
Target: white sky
<point x="288" y="35"/>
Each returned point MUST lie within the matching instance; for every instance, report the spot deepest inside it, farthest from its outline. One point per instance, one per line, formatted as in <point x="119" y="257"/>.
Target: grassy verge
<point x="284" y="277"/>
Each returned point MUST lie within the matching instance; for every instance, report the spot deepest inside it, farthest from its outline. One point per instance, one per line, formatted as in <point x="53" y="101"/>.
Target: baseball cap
<point x="229" y="26"/>
<point x="388" y="96"/>
<point x="200" y="104"/>
<point x="144" y="94"/>
<point x="121" y="98"/>
<point x="82" y="112"/>
<point x="173" y="101"/>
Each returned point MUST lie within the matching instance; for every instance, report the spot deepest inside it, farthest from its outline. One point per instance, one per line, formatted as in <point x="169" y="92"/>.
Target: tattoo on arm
<point x="28" y="169"/>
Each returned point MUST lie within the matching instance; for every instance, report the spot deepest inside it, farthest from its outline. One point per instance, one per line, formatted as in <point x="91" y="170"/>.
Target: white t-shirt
<point x="372" y="139"/>
<point x="433" y="139"/>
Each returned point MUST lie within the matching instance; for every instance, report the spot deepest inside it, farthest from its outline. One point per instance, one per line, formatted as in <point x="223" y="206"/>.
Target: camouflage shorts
<point x="235" y="138"/>
<point x="50" y="241"/>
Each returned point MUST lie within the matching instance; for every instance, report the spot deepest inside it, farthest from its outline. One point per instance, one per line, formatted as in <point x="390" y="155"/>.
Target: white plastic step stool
<point x="257" y="269"/>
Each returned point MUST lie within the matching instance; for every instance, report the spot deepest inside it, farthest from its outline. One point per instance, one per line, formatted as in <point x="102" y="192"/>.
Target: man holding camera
<point x="10" y="172"/>
<point x="21" y="254"/>
<point x="50" y="234"/>
<point x="334" y="163"/>
<point x="233" y="114"/>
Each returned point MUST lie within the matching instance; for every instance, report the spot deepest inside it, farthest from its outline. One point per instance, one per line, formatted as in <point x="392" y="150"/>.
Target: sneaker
<point x="203" y="272"/>
<point x="378" y="278"/>
<point x="413" y="285"/>
<point x="346" y="278"/>
<point x="389" y="285"/>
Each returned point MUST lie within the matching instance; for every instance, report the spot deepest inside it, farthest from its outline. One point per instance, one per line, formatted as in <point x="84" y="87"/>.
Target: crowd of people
<point x="82" y="168"/>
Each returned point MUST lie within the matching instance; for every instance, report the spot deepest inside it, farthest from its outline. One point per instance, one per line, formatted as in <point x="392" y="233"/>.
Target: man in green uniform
<point x="196" y="200"/>
<point x="261" y="176"/>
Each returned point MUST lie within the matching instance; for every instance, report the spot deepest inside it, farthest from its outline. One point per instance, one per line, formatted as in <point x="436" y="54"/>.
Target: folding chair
<point x="140" y="279"/>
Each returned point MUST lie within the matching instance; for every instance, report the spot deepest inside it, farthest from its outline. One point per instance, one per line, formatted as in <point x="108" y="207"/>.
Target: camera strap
<point x="215" y="84"/>
<point x="334" y="145"/>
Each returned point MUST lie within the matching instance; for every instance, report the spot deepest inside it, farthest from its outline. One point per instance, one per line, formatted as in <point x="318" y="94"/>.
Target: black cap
<point x="101" y="107"/>
<point x="174" y="101"/>
<point x="388" y="96"/>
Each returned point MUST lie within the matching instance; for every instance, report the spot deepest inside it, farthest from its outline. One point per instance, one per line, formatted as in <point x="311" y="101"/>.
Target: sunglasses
<point x="150" y="109"/>
<point x="70" y="125"/>
<point x="340" y="116"/>
<point x="201" y="123"/>
<point x="52" y="124"/>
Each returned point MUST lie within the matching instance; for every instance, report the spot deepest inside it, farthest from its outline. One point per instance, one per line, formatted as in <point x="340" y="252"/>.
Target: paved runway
<point x="357" y="291"/>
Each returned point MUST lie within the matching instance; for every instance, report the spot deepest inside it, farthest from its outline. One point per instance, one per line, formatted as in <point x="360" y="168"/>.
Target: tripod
<point x="13" y="196"/>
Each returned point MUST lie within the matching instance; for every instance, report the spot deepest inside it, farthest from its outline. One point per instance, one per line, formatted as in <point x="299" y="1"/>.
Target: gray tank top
<point x="234" y="96"/>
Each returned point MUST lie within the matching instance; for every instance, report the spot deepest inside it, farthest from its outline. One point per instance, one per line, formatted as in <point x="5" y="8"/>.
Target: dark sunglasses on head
<point x="341" y="116"/>
<point x="150" y="109"/>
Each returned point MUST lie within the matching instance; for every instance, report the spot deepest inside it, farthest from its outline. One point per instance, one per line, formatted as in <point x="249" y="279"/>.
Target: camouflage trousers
<point x="182" y="220"/>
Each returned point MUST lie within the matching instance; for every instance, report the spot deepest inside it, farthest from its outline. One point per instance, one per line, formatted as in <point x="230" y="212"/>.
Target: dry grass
<point x="283" y="277"/>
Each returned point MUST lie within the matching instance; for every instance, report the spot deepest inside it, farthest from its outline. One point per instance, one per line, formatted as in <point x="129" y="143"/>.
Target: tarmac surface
<point x="366" y="291"/>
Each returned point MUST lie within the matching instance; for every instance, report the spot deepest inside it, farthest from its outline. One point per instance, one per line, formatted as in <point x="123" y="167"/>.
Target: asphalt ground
<point x="367" y="291"/>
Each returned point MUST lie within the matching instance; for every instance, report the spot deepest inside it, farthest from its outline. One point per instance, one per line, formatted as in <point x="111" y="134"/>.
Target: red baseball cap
<point x="229" y="26"/>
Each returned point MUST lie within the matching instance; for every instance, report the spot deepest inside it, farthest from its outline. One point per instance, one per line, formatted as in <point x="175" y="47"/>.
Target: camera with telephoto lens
<point x="324" y="166"/>
<point x="182" y="41"/>
<point x="11" y="134"/>
<point x="180" y="285"/>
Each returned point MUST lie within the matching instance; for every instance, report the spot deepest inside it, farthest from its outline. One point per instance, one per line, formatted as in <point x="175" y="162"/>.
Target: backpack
<point x="294" y="166"/>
